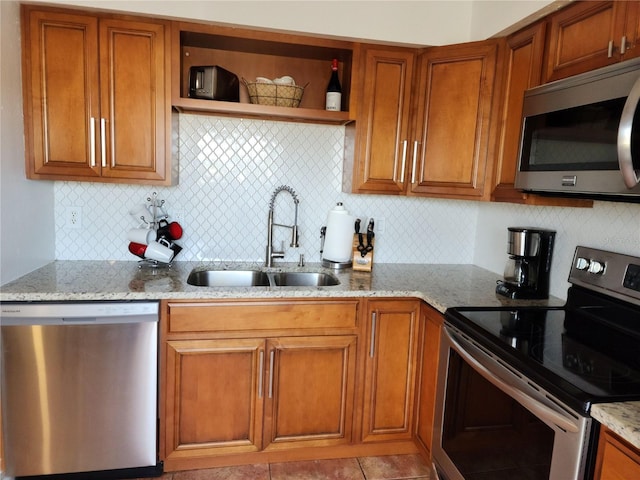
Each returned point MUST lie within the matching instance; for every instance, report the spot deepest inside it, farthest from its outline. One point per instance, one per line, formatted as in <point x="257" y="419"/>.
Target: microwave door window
<point x="579" y="138"/>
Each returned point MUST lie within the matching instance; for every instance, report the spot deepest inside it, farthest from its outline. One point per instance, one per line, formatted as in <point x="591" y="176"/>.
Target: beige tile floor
<point x="390" y="467"/>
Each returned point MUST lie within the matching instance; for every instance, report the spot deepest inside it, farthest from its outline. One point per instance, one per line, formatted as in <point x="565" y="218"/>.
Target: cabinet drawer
<point x="261" y="315"/>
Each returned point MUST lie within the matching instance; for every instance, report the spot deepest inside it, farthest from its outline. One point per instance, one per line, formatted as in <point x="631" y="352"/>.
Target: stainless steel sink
<point x="228" y="278"/>
<point x="304" y="279"/>
<point x="259" y="278"/>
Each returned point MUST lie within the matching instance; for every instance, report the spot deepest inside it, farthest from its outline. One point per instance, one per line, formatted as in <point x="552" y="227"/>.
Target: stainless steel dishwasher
<point x="79" y="389"/>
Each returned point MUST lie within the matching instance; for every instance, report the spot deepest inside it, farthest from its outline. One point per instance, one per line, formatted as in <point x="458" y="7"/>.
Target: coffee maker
<point x="526" y="274"/>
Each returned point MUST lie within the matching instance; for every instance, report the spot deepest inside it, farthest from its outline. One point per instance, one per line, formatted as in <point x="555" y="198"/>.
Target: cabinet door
<point x="432" y="321"/>
<point x="213" y="397"/>
<point x="584" y="36"/>
<point x="310" y="391"/>
<point x="134" y="98"/>
<point x="616" y="460"/>
<point x="522" y="70"/>
<point x="453" y="127"/>
<point x="391" y="364"/>
<point x="60" y="90"/>
<point x="631" y="48"/>
<point x="382" y="130"/>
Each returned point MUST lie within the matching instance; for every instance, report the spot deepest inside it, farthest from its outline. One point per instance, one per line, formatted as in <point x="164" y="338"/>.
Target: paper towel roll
<point x="339" y="235"/>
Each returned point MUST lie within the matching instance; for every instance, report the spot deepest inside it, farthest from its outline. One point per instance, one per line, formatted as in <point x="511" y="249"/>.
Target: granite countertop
<point x="622" y="418"/>
<point x="442" y="286"/>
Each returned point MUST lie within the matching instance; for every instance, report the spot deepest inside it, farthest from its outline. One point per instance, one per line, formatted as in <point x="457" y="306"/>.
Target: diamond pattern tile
<point x="229" y="167"/>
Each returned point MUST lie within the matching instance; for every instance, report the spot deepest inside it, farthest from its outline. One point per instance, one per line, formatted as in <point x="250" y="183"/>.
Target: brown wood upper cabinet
<point x="381" y="135"/>
<point x="95" y="97"/>
<point x="587" y="35"/>
<point x="426" y="132"/>
<point x="457" y="85"/>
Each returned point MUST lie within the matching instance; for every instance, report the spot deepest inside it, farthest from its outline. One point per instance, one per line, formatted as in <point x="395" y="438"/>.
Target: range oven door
<point x="491" y="422"/>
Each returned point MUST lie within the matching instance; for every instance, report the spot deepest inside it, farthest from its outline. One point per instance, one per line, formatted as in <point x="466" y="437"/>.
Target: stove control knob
<point x="582" y="263"/>
<point x="596" y="267"/>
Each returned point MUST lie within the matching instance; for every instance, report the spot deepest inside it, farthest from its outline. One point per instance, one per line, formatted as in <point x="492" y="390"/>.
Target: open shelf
<point x="250" y="54"/>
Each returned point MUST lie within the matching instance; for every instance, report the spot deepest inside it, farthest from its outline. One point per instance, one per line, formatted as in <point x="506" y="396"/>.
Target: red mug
<point x="172" y="231"/>
<point x="137" y="249"/>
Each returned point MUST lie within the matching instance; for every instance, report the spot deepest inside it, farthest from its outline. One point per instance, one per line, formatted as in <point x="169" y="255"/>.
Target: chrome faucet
<point x="271" y="253"/>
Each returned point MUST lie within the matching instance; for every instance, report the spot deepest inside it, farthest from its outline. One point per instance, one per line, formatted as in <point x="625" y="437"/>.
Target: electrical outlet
<point x="73" y="218"/>
<point x="379" y="224"/>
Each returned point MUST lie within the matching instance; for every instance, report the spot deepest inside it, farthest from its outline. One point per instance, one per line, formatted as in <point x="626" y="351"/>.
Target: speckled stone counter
<point x="442" y="286"/>
<point x="622" y="418"/>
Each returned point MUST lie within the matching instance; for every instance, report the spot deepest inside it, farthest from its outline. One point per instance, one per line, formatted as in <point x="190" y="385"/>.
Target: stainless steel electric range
<point x="516" y="385"/>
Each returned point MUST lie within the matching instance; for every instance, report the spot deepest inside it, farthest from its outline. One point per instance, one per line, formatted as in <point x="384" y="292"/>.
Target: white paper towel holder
<point x="330" y="263"/>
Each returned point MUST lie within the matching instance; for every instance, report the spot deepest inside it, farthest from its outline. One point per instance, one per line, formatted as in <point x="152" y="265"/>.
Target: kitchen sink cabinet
<point x="456" y="104"/>
<point x="432" y="321"/>
<point x="392" y="332"/>
<point x="96" y="97"/>
<point x="213" y="397"/>
<point x="381" y="134"/>
<point x="253" y="382"/>
<point x="616" y="458"/>
<point x="587" y="35"/>
<point x="252" y="53"/>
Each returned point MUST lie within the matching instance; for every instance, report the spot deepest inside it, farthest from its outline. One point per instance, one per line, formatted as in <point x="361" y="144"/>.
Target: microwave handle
<point x="630" y="175"/>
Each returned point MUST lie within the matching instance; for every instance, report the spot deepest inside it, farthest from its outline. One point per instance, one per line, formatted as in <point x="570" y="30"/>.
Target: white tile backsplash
<point x="229" y="169"/>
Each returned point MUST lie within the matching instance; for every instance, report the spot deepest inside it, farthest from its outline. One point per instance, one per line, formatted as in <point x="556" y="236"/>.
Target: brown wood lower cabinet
<point x="432" y="321"/>
<point x="390" y="369"/>
<point x="252" y="381"/>
<point x="617" y="459"/>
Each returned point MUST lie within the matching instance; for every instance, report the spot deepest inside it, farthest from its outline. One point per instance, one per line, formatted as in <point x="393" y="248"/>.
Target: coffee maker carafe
<point x="526" y="274"/>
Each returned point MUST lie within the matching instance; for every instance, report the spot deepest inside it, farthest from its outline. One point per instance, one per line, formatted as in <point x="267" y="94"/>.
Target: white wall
<point x="421" y="22"/>
<point x="607" y="226"/>
<point x="491" y="17"/>
<point x="27" y="238"/>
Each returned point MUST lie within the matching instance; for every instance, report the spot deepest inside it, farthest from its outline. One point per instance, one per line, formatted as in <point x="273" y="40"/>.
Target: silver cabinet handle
<point x="260" y="373"/>
<point x="610" y="49"/>
<point x="404" y="160"/>
<point x="630" y="175"/>
<point x="271" y="359"/>
<point x="623" y="44"/>
<point x="373" y="335"/>
<point x="103" y="143"/>
<point x="92" y="141"/>
<point x="540" y="410"/>
<point x="415" y="158"/>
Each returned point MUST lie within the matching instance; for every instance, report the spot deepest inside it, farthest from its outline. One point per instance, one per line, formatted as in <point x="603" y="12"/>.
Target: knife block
<point x="359" y="262"/>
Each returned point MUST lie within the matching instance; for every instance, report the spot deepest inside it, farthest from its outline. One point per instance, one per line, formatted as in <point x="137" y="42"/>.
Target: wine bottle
<point x="334" y="90"/>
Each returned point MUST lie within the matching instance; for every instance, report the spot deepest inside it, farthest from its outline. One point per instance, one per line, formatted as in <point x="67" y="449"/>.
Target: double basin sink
<point x="259" y="278"/>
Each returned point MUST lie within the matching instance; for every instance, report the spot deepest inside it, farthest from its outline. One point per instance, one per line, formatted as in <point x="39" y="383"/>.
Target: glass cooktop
<point x="583" y="355"/>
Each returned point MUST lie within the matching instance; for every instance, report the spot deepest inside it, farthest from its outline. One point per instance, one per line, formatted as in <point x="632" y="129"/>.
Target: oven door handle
<point x="541" y="411"/>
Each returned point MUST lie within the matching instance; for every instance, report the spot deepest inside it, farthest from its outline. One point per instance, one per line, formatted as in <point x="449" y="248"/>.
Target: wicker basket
<point x="273" y="94"/>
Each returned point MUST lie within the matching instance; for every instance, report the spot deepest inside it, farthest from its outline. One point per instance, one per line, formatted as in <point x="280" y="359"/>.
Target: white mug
<point x="142" y="214"/>
<point x="142" y="235"/>
<point x="159" y="251"/>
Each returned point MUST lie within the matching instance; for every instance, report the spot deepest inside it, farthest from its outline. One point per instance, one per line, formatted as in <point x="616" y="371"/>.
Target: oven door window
<point x="575" y="139"/>
<point x="487" y="434"/>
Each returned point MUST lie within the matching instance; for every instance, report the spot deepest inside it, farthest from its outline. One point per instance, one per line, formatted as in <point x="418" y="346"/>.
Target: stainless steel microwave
<point x="581" y="135"/>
